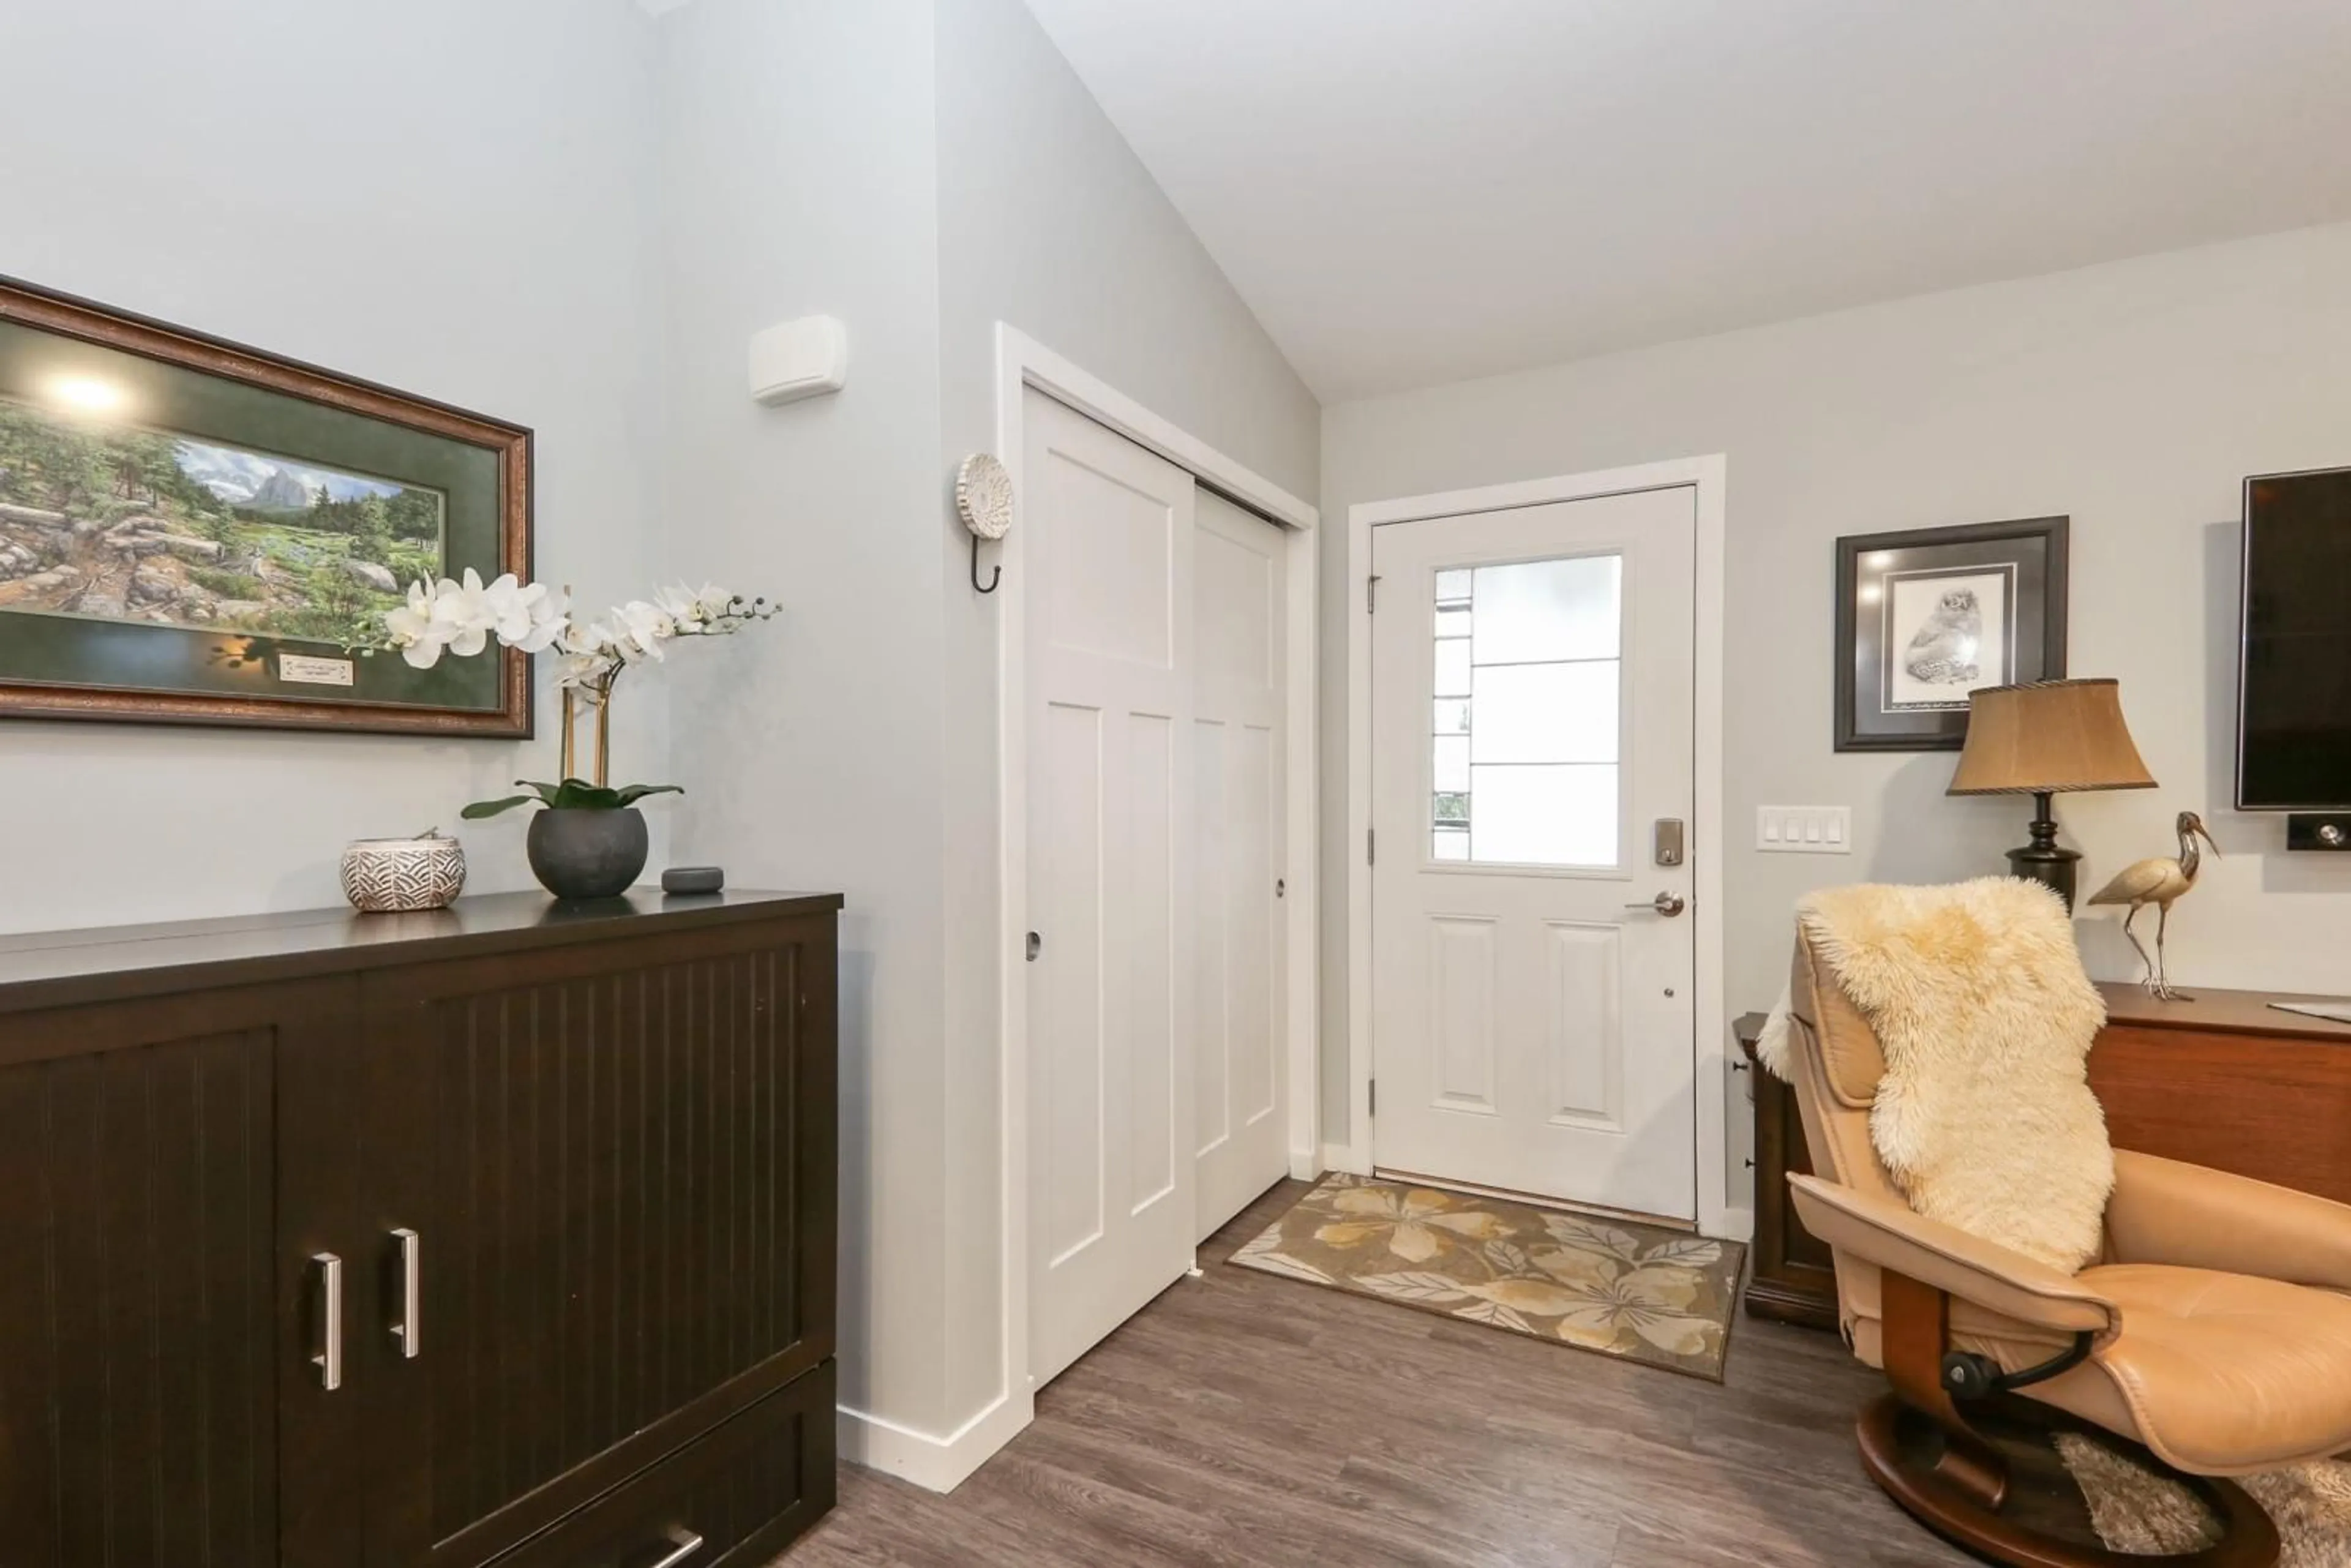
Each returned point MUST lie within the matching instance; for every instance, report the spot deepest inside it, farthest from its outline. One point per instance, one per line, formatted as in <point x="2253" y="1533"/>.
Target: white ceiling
<point x="1412" y="191"/>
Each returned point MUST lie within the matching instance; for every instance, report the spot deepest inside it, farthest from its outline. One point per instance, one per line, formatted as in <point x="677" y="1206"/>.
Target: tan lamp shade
<point x="2046" y="736"/>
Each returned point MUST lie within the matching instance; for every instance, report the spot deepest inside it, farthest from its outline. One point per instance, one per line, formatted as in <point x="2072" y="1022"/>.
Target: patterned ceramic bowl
<point x="386" y="876"/>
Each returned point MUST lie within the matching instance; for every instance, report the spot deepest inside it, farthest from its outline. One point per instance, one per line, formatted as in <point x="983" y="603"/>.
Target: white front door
<point x="1240" y="1081"/>
<point x="1532" y="962"/>
<point x="1111" y="856"/>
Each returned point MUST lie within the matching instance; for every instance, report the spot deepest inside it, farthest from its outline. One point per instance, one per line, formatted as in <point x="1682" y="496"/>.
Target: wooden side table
<point x="2224" y="1080"/>
<point x="1792" y="1279"/>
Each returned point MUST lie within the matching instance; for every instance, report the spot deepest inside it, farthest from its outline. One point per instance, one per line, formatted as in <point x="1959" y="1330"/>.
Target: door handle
<point x="410" y="1328"/>
<point x="329" y="1358"/>
<point x="1665" y="903"/>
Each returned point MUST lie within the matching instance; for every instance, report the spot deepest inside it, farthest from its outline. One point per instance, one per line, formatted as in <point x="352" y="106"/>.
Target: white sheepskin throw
<point x="1984" y="1118"/>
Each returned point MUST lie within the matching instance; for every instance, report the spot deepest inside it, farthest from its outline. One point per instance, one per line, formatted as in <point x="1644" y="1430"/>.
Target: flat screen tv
<point x="2294" y="692"/>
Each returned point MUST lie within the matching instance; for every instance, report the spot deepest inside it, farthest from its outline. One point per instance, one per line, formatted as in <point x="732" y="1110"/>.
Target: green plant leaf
<point x="481" y="808"/>
<point x="578" y="795"/>
<point x="572" y="795"/>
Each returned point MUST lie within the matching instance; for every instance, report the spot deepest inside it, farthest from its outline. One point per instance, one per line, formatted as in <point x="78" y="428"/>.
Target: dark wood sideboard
<point x="2224" y="1080"/>
<point x="501" y="1232"/>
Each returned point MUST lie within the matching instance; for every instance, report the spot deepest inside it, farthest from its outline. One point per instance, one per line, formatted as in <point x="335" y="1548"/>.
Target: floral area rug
<point x="1659" y="1297"/>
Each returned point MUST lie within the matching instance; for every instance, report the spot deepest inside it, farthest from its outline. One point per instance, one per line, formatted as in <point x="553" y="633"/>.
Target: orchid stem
<point x="605" y="739"/>
<point x="569" y="764"/>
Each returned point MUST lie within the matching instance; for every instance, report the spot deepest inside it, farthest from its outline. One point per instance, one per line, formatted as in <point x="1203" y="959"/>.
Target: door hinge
<point x="1371" y="594"/>
<point x="1372" y="1108"/>
<point x="1371" y="849"/>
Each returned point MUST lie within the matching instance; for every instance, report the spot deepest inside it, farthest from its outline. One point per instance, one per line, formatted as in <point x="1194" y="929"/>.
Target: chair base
<point x="1954" y="1483"/>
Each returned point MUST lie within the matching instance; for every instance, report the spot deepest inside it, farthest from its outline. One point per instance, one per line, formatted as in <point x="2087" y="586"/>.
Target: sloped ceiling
<point x="1410" y="191"/>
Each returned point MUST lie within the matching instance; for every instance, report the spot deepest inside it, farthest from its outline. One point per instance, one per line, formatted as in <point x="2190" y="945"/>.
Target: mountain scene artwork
<point x="127" y="524"/>
<point x="196" y="531"/>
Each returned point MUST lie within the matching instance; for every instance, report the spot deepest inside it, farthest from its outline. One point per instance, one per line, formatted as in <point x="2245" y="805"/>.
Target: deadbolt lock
<point x="1668" y="836"/>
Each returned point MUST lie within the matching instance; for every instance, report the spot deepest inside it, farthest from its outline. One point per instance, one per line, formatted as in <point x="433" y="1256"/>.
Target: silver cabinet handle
<point x="410" y="1329"/>
<point x="330" y="1359"/>
<point x="1665" y="903"/>
<point x="689" y="1543"/>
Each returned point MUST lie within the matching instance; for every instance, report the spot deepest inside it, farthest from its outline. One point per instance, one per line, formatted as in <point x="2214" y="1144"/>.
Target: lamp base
<point x="2042" y="861"/>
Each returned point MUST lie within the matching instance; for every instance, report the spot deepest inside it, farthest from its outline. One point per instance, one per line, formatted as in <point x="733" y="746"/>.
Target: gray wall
<point x="798" y="176"/>
<point x="2134" y="397"/>
<point x="443" y="196"/>
<point x="1047" y="221"/>
<point x="564" y="213"/>
<point x="921" y="170"/>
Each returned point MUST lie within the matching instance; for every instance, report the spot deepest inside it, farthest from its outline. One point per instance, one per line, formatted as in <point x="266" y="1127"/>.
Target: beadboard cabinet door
<point x="171" y="1170"/>
<point x="609" y="1184"/>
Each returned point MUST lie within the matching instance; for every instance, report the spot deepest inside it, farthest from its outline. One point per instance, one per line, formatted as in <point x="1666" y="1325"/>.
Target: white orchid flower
<point x="546" y="618"/>
<point x="506" y="603"/>
<point x="462" y="616"/>
<point x="647" y="626"/>
<point x="413" y="630"/>
<point x="580" y="669"/>
<point x="684" y="610"/>
<point x="607" y="637"/>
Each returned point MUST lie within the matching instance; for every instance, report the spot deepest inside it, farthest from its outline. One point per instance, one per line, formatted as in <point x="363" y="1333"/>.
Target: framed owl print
<point x="1926" y="617"/>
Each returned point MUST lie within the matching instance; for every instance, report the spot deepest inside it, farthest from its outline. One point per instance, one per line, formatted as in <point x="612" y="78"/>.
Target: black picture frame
<point x="228" y="649"/>
<point x="1943" y="592"/>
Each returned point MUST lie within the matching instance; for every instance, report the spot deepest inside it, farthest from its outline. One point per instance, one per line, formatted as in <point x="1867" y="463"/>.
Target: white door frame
<point x="1708" y="829"/>
<point x="1021" y="361"/>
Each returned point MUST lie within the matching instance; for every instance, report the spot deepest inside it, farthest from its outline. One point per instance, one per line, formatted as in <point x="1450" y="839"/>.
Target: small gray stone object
<point x="368" y="574"/>
<point x="693" y="879"/>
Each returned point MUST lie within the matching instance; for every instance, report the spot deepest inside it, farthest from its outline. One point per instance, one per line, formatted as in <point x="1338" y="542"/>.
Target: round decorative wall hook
<point x="983" y="501"/>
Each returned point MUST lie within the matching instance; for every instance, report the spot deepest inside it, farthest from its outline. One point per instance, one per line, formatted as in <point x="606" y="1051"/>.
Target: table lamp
<point x="2040" y="739"/>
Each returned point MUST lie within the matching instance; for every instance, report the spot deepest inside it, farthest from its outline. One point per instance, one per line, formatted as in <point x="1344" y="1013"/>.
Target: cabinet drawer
<point x="734" y="1497"/>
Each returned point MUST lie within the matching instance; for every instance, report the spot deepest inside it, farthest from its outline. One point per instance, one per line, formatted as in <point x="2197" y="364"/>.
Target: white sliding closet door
<point x="1111" y="850"/>
<point x="1240" y="1082"/>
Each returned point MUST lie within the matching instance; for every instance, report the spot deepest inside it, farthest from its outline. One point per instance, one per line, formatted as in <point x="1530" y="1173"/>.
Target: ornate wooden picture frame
<point x="1925" y="616"/>
<point x="196" y="532"/>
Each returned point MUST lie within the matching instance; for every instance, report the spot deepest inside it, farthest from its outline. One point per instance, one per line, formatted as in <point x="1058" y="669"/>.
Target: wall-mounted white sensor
<point x="798" y="358"/>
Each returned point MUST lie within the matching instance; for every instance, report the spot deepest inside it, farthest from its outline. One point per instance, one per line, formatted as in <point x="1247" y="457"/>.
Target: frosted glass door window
<point x="1523" y="714"/>
<point x="1529" y="673"/>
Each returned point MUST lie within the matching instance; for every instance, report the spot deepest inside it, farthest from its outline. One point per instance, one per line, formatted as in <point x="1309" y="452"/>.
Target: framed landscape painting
<point x="1926" y="617"/>
<point x="195" y="532"/>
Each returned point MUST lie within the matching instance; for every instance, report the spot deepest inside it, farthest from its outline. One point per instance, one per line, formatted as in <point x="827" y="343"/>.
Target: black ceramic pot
<point x="588" y="854"/>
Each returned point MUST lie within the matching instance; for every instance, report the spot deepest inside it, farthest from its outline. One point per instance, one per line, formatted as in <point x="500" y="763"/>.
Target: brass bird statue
<point x="2158" y="881"/>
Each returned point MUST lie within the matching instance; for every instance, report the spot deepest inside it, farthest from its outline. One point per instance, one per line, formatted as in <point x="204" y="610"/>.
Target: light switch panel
<point x="1804" y="830"/>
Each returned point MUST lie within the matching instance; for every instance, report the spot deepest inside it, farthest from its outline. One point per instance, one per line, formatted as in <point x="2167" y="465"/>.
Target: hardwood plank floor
<point x="1243" y="1418"/>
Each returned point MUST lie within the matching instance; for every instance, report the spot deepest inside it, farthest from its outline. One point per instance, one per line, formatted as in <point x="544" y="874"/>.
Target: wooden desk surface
<point x="2213" y="1011"/>
<point x="69" y="969"/>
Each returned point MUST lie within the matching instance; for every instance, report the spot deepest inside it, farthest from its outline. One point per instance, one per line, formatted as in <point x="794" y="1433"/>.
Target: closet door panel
<point x="1241" y="1076"/>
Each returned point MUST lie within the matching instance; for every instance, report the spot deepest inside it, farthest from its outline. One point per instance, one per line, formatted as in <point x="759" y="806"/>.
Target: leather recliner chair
<point x="2215" y="1332"/>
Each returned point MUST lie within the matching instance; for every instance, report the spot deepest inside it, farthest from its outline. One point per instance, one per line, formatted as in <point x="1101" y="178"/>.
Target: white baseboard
<point x="1347" y="1157"/>
<point x="1738" y="1225"/>
<point x="939" y="1464"/>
